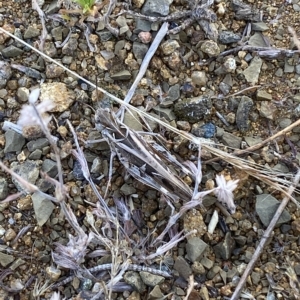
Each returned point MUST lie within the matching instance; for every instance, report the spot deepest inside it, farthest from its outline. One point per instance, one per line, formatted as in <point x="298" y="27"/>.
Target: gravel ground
<point x="235" y="82"/>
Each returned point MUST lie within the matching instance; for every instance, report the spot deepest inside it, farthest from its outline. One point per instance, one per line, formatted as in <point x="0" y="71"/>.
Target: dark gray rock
<point x="156" y="8"/>
<point x="242" y="114"/>
<point x="193" y="109"/>
<point x="43" y="208"/>
<point x="11" y="51"/>
<point x="50" y="167"/>
<point x="195" y="248"/>
<point x="228" y="37"/>
<point x="77" y="170"/>
<point x="173" y="93"/>
<point x="5" y="70"/>
<point x="231" y="140"/>
<point x="135" y="280"/>
<point x="14" y="141"/>
<point x="141" y="25"/>
<point x="151" y="279"/>
<point x="182" y="267"/>
<point x="104" y="35"/>
<point x="29" y="171"/>
<point x="224" y="249"/>
<point x="3" y="188"/>
<point x="139" y="50"/>
<point x="245" y="11"/>
<point x="37" y="144"/>
<point x="266" y="206"/>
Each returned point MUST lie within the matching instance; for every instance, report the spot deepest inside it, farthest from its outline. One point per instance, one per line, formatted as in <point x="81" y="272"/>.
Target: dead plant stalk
<point x="265" y="238"/>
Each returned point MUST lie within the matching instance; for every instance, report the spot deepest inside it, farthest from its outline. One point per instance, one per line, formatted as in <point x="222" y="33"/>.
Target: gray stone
<point x="173" y="93"/>
<point x="182" y="267"/>
<point x="57" y="33"/>
<point x="266" y="206"/>
<point x="288" y="68"/>
<point x="43" y="208"/>
<point x="127" y="189"/>
<point x="50" y="167"/>
<point x="213" y="272"/>
<point x="6" y="259"/>
<point x="6" y="71"/>
<point x="14" y="141"/>
<point x="224" y="88"/>
<point x="22" y="94"/>
<point x="195" y="248"/>
<point x="284" y="122"/>
<point x="122" y="75"/>
<point x="31" y="32"/>
<point x="228" y="37"/>
<point x="37" y="144"/>
<point x="267" y="109"/>
<point x="11" y="51"/>
<point x="132" y="120"/>
<point x="224" y="249"/>
<point x="252" y="72"/>
<point x="257" y="40"/>
<point x="251" y="141"/>
<point x="166" y="113"/>
<point x="259" y="26"/>
<point x="231" y="140"/>
<point x="36" y="154"/>
<point x="245" y="11"/>
<point x="296" y="7"/>
<point x="151" y="279"/>
<point x="3" y="188"/>
<point x="104" y="35"/>
<point x="282" y="168"/>
<point x="156" y="8"/>
<point x="134" y="279"/>
<point x="242" y="114"/>
<point x="139" y="50"/>
<point x="141" y="25"/>
<point x="29" y="170"/>
<point x="156" y="293"/>
<point x="279" y="72"/>
<point x="256" y="277"/>
<point x="70" y="47"/>
<point x="193" y="109"/>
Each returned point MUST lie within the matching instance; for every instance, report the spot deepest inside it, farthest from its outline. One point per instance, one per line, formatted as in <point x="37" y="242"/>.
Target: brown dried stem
<point x="261" y="144"/>
<point x="265" y="238"/>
